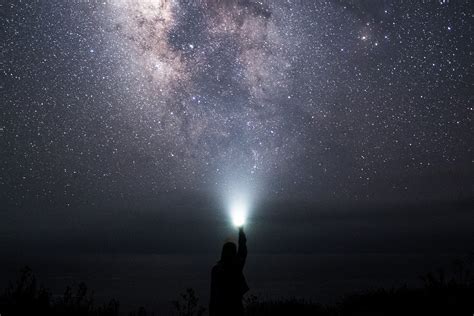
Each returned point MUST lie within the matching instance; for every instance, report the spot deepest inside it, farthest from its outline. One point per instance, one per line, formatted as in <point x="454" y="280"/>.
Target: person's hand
<point x="242" y="236"/>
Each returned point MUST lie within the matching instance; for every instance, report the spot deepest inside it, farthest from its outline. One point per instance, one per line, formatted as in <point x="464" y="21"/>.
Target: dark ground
<point x="444" y="291"/>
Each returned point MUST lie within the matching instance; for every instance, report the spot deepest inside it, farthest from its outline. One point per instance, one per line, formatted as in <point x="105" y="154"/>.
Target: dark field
<point x="154" y="281"/>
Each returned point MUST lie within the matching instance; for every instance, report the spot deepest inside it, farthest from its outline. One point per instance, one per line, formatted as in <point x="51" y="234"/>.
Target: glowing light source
<point x="238" y="212"/>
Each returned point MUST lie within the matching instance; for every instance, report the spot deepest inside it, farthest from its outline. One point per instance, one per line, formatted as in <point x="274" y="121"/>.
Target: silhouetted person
<point x="228" y="284"/>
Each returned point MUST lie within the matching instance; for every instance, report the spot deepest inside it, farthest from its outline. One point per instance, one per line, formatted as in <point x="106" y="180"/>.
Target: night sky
<point x="158" y="104"/>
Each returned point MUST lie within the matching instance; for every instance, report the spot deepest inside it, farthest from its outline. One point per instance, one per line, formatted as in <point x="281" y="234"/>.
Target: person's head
<point x="229" y="251"/>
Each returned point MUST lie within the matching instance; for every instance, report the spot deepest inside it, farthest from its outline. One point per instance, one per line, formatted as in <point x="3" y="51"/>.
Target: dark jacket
<point x="228" y="283"/>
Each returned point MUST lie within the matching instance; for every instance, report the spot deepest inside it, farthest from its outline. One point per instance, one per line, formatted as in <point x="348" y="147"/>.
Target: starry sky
<point x="107" y="102"/>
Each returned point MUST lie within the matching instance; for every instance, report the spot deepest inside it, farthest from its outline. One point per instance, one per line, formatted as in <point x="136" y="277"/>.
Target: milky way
<point x="321" y="100"/>
<point x="214" y="75"/>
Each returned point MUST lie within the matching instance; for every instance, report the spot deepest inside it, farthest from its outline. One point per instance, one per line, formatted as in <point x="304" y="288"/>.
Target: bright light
<point x="238" y="213"/>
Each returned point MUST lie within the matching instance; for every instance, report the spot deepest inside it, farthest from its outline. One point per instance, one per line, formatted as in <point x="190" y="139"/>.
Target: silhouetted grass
<point x="444" y="292"/>
<point x="25" y="297"/>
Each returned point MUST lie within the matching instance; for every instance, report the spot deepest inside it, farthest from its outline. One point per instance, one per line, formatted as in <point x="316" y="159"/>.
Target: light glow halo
<point x="238" y="212"/>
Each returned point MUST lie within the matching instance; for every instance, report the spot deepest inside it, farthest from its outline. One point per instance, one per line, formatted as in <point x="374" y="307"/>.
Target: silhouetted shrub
<point x="140" y="312"/>
<point x="188" y="304"/>
<point x="25" y="298"/>
<point x="291" y="306"/>
<point x="444" y="292"/>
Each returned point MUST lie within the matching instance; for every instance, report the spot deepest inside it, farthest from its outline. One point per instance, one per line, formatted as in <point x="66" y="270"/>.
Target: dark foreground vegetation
<point x="444" y="292"/>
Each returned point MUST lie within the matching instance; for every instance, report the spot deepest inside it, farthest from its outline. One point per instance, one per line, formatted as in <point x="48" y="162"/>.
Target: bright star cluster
<point x="319" y="100"/>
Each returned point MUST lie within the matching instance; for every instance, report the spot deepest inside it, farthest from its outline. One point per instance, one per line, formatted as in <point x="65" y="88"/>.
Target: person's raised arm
<point x="242" y="252"/>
